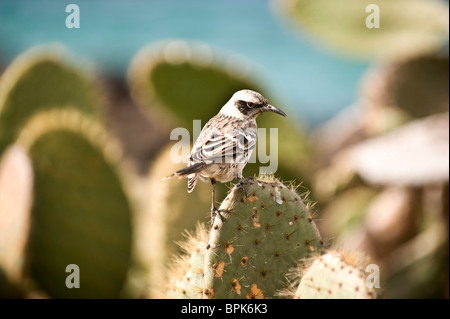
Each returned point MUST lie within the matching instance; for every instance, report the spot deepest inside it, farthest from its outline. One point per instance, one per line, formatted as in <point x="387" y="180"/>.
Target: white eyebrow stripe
<point x="230" y="109"/>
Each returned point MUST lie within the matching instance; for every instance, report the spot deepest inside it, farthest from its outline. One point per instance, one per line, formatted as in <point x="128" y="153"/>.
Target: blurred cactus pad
<point x="185" y="81"/>
<point x="407" y="27"/>
<point x="416" y="87"/>
<point x="40" y="79"/>
<point x="80" y="214"/>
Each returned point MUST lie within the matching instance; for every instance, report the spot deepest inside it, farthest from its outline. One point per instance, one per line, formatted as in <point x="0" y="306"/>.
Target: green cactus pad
<point x="41" y="79"/>
<point x="262" y="237"/>
<point x="334" y="276"/>
<point x="81" y="214"/>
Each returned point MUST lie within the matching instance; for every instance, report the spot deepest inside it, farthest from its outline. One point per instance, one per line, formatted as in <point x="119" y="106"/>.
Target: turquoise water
<point x="310" y="80"/>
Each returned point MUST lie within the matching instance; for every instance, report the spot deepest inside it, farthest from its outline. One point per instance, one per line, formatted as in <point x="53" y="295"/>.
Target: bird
<point x="226" y="143"/>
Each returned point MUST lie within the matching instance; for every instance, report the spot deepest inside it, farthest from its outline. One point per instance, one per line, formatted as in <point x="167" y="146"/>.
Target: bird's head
<point x="248" y="104"/>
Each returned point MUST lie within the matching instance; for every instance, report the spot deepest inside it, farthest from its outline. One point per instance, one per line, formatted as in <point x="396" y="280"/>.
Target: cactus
<point x="334" y="276"/>
<point x="186" y="272"/>
<point x="263" y="235"/>
<point x="41" y="79"/>
<point x="406" y="27"/>
<point x="81" y="214"/>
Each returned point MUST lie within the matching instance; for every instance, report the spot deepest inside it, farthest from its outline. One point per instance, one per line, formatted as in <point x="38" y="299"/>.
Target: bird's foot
<point x="241" y="185"/>
<point x="214" y="212"/>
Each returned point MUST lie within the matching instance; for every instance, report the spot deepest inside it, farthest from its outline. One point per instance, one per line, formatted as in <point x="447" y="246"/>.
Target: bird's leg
<point x="214" y="210"/>
<point x="241" y="184"/>
<point x="213" y="207"/>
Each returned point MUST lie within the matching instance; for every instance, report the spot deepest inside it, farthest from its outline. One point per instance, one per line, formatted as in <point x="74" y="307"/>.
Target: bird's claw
<point x="241" y="185"/>
<point x="214" y="212"/>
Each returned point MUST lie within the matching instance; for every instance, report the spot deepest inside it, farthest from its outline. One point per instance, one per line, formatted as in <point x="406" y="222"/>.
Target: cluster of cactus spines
<point x="186" y="273"/>
<point x="262" y="236"/>
<point x="80" y="214"/>
<point x="41" y="79"/>
<point x="334" y="276"/>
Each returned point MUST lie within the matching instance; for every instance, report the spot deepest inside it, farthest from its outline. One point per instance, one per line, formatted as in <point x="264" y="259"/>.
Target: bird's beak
<point x="271" y="108"/>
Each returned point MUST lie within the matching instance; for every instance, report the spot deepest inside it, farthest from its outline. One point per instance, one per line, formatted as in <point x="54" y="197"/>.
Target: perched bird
<point x="226" y="142"/>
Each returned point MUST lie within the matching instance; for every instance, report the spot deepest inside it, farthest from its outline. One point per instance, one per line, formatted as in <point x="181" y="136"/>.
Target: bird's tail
<point x="191" y="172"/>
<point x="187" y="171"/>
<point x="192" y="181"/>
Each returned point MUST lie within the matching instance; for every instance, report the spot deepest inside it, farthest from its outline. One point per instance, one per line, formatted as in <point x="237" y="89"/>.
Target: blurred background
<point x="86" y="115"/>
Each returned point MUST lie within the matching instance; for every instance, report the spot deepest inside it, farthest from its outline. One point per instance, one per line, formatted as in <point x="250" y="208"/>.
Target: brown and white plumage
<point x="223" y="149"/>
<point x="226" y="142"/>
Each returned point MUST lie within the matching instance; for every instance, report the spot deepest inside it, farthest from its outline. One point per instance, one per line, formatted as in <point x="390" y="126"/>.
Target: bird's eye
<point x="250" y="104"/>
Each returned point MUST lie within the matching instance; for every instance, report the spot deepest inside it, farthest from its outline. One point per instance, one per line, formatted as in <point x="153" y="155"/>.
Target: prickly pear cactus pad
<point x="263" y="235"/>
<point x="40" y="79"/>
<point x="81" y="213"/>
<point x="334" y="276"/>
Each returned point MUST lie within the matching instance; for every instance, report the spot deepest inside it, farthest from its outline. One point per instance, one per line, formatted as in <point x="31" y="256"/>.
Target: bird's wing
<point x="230" y="146"/>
